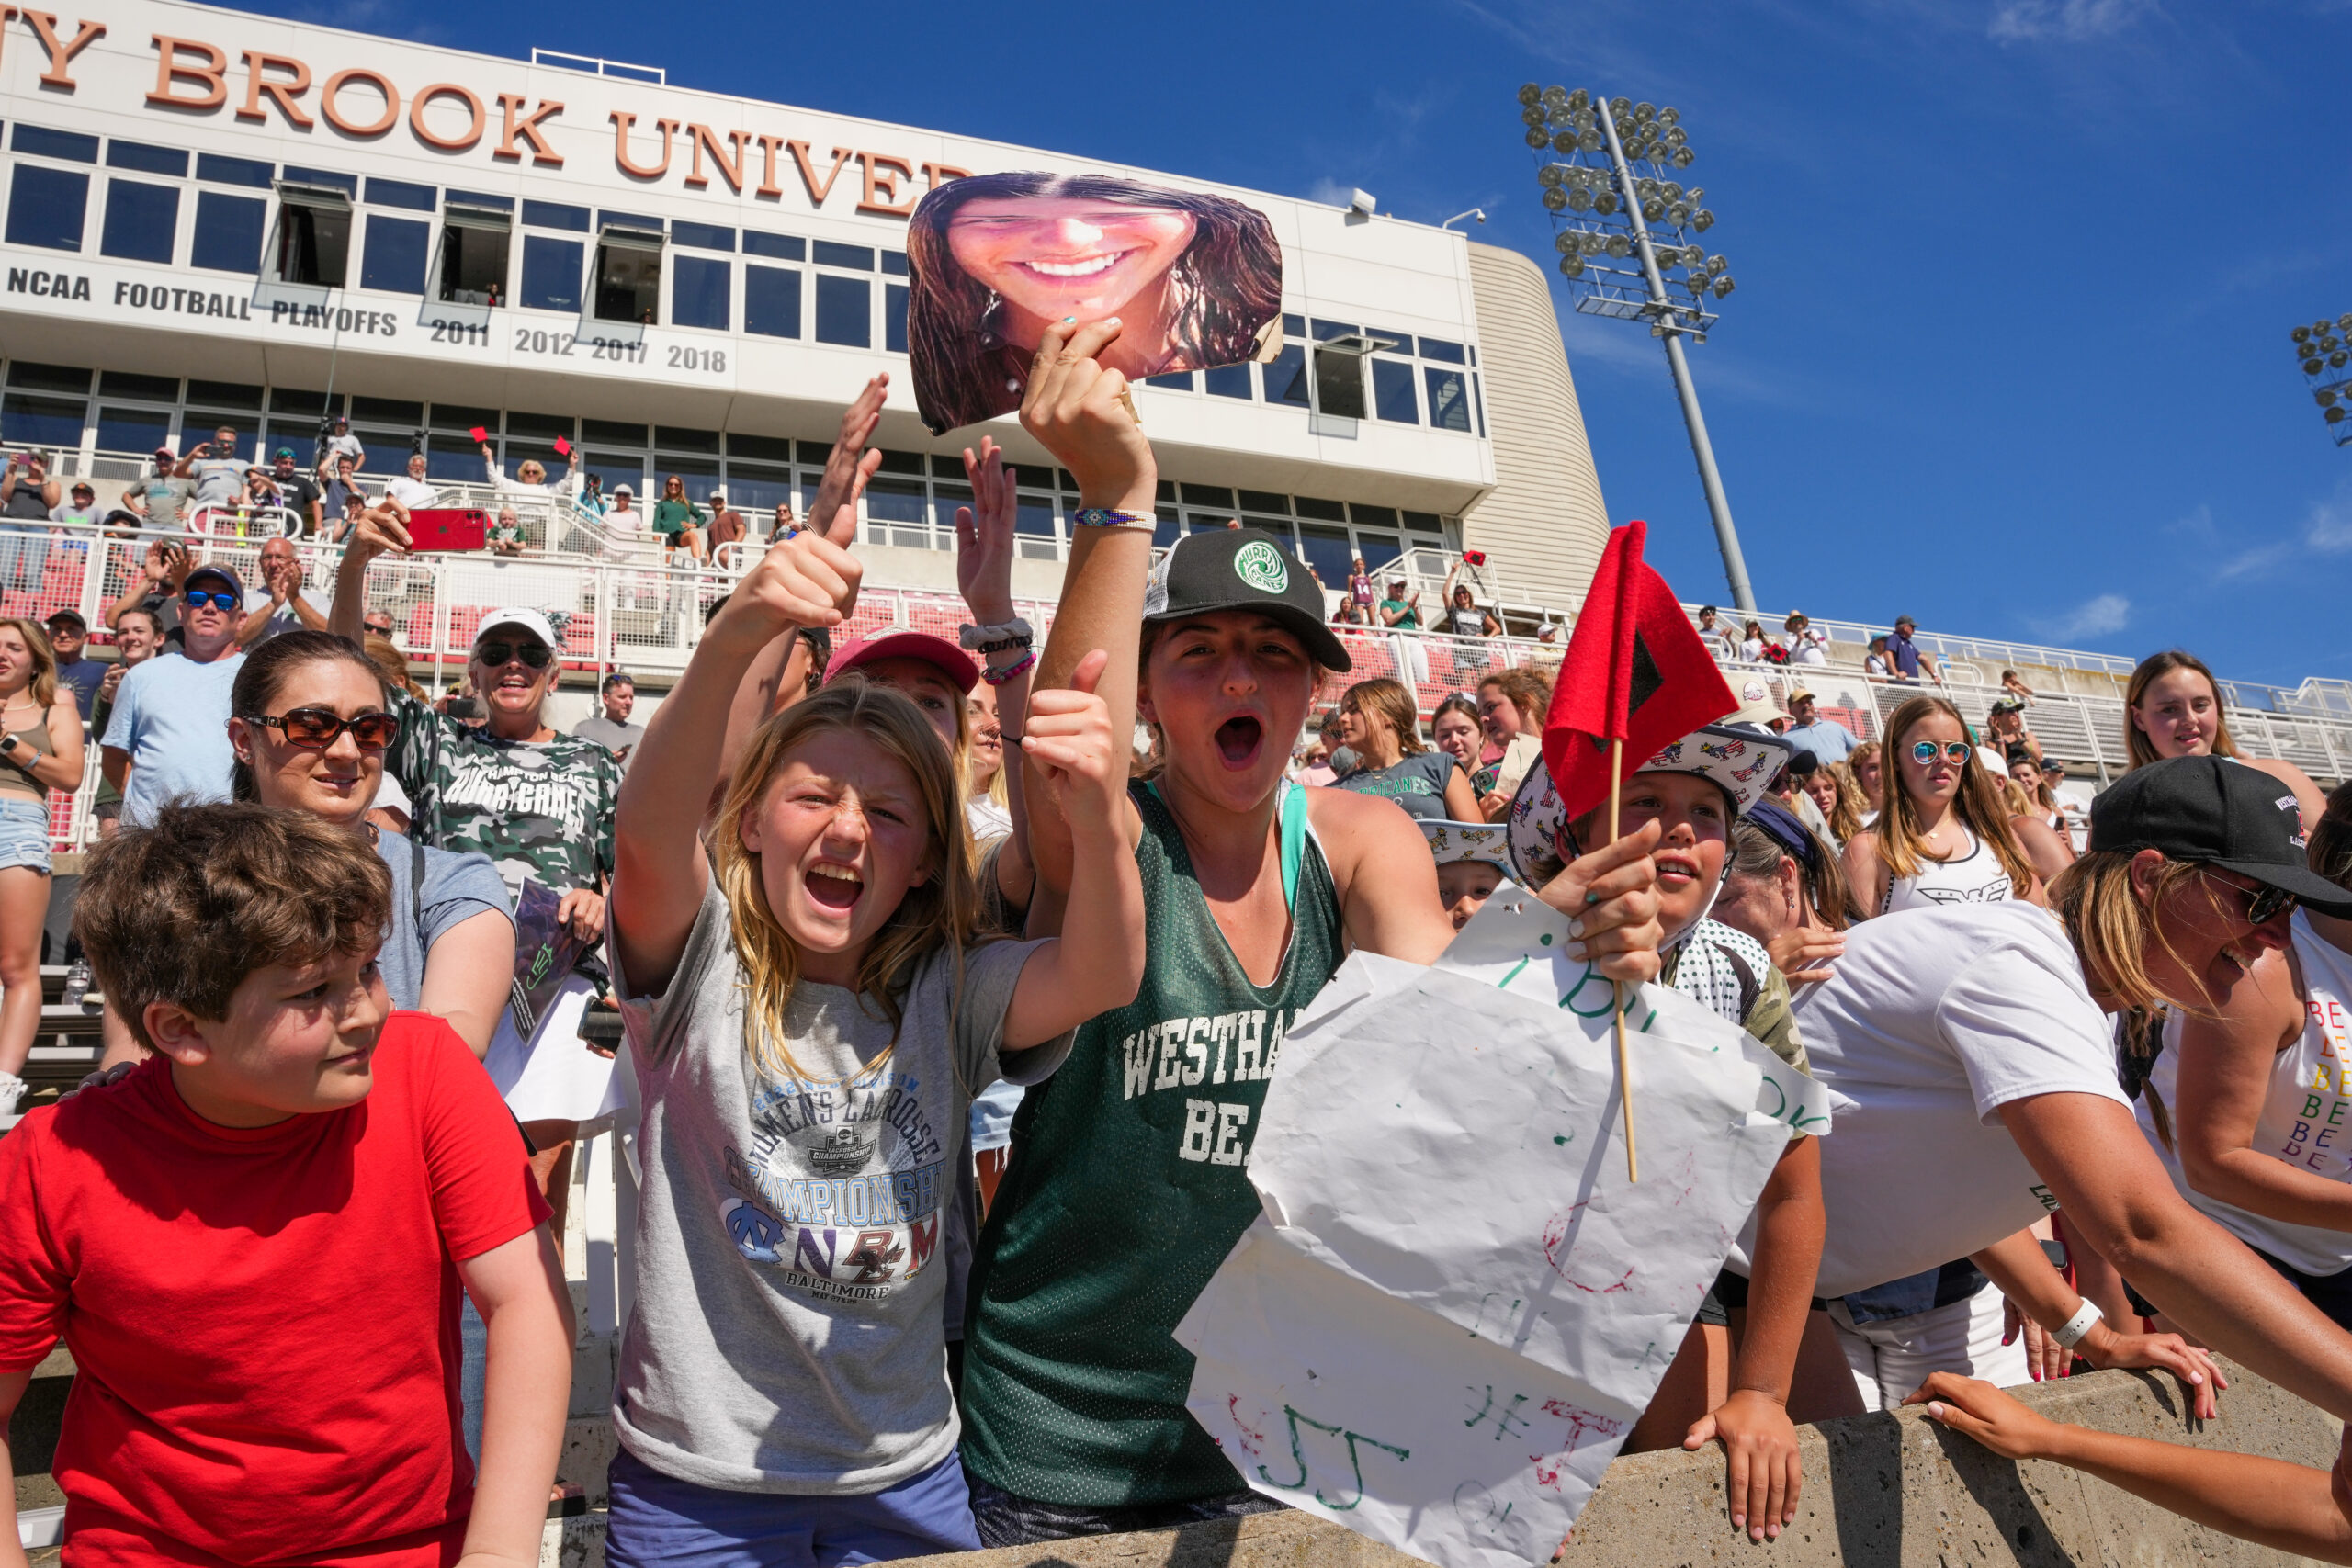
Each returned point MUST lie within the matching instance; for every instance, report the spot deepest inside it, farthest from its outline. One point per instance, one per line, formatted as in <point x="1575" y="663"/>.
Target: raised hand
<point x="1802" y="954"/>
<point x="849" y="464"/>
<point x="1610" y="899"/>
<point x="1083" y="415"/>
<point x="379" y="532"/>
<point x="984" y="536"/>
<point x="810" y="580"/>
<point x="1068" y="737"/>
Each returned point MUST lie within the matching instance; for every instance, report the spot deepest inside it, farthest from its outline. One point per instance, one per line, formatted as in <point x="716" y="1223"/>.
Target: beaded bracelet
<point x="977" y="638"/>
<point x="1020" y="666"/>
<point x="1105" y="517"/>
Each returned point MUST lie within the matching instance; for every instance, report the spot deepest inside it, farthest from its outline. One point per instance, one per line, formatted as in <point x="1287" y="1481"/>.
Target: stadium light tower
<point x="1623" y="236"/>
<point x="2324" y="350"/>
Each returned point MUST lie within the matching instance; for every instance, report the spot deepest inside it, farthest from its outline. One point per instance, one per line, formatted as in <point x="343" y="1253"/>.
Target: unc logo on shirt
<point x="1260" y="565"/>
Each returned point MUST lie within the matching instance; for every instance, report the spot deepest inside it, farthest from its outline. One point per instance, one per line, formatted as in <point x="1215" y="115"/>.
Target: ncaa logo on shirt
<point x="1260" y="565"/>
<point x="2298" y="837"/>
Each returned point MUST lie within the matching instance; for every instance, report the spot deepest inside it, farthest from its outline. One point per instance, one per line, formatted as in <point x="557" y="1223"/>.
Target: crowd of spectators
<point x="892" y="916"/>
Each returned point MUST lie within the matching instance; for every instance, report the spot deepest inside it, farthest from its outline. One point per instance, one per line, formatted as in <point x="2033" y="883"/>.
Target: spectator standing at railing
<point x="1807" y="644"/>
<point x="726" y="523"/>
<point x="340" y="444"/>
<point x="1751" y="643"/>
<point x="28" y="495"/>
<point x="1718" y="637"/>
<point x="412" y="492"/>
<point x="1876" y="663"/>
<point x="1907" y="657"/>
<point x="1811" y="730"/>
<point x="281" y="603"/>
<point x="679" y="522"/>
<point x="299" y="493"/>
<point x="81" y="506"/>
<point x="785" y="524"/>
<point x="624" y="525"/>
<point x="168" y="735"/>
<point x="530" y="482"/>
<point x="611" y="728"/>
<point x="79" y="676"/>
<point x="41" y="750"/>
<point x="1401" y="611"/>
<point x="1462" y="618"/>
<point x="213" y="464"/>
<point x="158" y="500"/>
<point x="338" y="486"/>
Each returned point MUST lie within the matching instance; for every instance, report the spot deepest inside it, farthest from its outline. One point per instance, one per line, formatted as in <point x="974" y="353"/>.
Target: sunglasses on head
<point x="534" y="655"/>
<point x="220" y="599"/>
<point x="315" y="729"/>
<point x="1924" y="752"/>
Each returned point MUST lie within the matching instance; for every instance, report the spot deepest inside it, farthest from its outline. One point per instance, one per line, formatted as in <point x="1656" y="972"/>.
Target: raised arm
<point x="376" y="534"/>
<point x="660" y="869"/>
<point x="849" y="464"/>
<point x="984" y="546"/>
<point x="1097" y="962"/>
<point x="1082" y="414"/>
<point x="469" y="976"/>
<point x="2225" y="1058"/>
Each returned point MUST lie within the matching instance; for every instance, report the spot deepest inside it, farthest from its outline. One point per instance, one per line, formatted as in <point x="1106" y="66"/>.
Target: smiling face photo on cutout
<point x="1195" y="281"/>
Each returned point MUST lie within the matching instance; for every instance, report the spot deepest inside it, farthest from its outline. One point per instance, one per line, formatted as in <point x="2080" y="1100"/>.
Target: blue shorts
<point x="24" y="834"/>
<point x="657" y="1520"/>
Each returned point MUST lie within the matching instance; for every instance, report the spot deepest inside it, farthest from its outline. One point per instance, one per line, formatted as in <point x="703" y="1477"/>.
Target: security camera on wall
<point x="1361" y="203"/>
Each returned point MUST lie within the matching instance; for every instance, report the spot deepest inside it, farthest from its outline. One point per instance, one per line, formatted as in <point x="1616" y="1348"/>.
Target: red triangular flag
<point x="1635" y="670"/>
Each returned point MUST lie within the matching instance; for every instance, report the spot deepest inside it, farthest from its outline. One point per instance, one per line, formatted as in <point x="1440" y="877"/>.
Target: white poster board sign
<point x="1456" y="1304"/>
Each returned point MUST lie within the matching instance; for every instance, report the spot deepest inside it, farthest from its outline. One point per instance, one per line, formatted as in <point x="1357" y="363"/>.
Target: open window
<point x="629" y="274"/>
<point x="474" y="242"/>
<point x="313" y="235"/>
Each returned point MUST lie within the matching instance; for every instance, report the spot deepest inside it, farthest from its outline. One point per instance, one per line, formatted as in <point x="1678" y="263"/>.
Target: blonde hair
<point x="44" y="685"/>
<point x="2151" y="670"/>
<point x="1845" y="816"/>
<point x="390" y="663"/>
<point x="943" y="911"/>
<point x="1902" y="846"/>
<point x="1389" y="701"/>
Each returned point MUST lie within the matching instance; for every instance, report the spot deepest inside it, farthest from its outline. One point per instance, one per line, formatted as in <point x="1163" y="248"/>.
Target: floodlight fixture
<point x="1626" y="244"/>
<point x="2324" y="350"/>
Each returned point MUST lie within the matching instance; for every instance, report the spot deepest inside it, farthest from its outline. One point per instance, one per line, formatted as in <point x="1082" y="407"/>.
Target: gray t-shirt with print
<point x="790" y="1274"/>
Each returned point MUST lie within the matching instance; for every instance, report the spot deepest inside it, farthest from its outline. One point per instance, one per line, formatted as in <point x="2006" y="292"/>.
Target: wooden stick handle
<point x="1616" y="993"/>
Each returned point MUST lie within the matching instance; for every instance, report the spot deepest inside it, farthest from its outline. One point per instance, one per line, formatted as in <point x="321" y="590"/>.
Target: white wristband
<point x="2071" y="1334"/>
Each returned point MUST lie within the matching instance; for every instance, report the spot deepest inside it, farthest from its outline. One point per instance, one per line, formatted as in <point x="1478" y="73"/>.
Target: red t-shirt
<point x="264" y="1322"/>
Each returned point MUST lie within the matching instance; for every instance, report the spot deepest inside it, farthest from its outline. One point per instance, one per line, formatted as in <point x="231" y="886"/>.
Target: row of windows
<point x="910" y="502"/>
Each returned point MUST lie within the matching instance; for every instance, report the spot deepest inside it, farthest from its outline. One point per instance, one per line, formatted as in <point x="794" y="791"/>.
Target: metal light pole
<point x="1666" y="322"/>
<point x="1580" y="127"/>
<point x="2326" y="360"/>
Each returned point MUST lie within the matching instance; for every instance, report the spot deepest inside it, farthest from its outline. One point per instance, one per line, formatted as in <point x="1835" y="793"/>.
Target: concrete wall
<point x="1881" y="1491"/>
<point x="1545" y="523"/>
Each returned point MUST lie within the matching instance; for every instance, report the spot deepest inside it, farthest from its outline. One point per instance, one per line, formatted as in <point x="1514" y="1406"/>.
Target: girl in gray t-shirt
<point x="809" y="1012"/>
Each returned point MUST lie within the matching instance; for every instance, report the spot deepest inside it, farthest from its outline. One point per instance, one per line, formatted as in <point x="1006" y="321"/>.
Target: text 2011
<point x="472" y="334"/>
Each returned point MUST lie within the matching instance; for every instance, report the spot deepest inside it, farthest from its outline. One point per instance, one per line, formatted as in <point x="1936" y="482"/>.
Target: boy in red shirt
<point x="253" y="1243"/>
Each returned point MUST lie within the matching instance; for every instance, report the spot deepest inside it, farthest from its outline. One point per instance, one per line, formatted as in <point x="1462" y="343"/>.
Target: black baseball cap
<point x="1243" y="568"/>
<point x="2221" y="812"/>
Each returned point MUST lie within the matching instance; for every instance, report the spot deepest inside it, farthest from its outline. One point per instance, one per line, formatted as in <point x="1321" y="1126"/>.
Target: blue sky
<point x="2008" y="352"/>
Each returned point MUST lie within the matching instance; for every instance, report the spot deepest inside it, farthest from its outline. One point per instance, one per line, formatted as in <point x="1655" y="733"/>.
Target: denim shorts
<point x="24" y="834"/>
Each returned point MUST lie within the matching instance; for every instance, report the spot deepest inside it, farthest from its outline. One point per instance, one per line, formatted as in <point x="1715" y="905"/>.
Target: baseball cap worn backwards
<point x="1243" y="568"/>
<point x="2221" y="812"/>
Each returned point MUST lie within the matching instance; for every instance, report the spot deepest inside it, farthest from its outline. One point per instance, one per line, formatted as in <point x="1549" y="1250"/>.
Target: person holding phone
<point x="28" y="495"/>
<point x="213" y="466"/>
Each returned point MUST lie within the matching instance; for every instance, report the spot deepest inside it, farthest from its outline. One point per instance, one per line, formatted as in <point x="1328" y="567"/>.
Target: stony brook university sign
<point x="196" y="76"/>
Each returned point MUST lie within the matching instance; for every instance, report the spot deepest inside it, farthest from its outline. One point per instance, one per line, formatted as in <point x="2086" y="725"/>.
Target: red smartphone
<point x="448" y="528"/>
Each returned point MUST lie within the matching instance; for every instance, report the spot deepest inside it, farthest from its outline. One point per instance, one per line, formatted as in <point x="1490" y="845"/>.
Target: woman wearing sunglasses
<point x="2247" y="1103"/>
<point x="1944" y="836"/>
<point x="310" y="729"/>
<point x="41" y="750"/>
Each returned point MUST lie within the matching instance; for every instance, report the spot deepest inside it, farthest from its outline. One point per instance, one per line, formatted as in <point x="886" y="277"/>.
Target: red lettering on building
<point x="527" y="128"/>
<point x="426" y="133"/>
<point x="622" y="122"/>
<point x="331" y="109"/>
<point x="44" y="27"/>
<point x="282" y="93"/>
<point x="213" y="75"/>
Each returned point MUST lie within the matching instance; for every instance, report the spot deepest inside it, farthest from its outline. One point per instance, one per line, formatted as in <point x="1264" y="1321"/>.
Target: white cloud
<point x="2326" y="531"/>
<point x="2101" y="616"/>
<point x="2021" y="21"/>
<point x="1330" y="192"/>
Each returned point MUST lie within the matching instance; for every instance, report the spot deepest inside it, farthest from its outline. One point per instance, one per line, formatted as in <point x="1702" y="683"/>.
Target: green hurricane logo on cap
<point x="1260" y="565"/>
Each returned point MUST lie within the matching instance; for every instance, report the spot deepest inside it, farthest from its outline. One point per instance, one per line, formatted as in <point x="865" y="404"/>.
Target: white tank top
<point x="2306" y="1118"/>
<point x="1975" y="877"/>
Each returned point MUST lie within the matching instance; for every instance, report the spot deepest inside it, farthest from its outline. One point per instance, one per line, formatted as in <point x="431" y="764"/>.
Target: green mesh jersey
<point x="1125" y="1193"/>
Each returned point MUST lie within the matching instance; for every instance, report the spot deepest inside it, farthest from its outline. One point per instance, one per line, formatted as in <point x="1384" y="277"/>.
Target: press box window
<point x="394" y="259"/>
<point x="1449" y="402"/>
<point x="844" y="309"/>
<point x="698" y="293"/>
<point x="313" y="235"/>
<point x="772" y="301"/>
<point x="628" y="275"/>
<point x="141" y="220"/>
<point x="551" y="273"/>
<point x="1392" y="392"/>
<point x="228" y="232"/>
<point x="474" y="244"/>
<point x="1286" y="375"/>
<point x="46" y="206"/>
